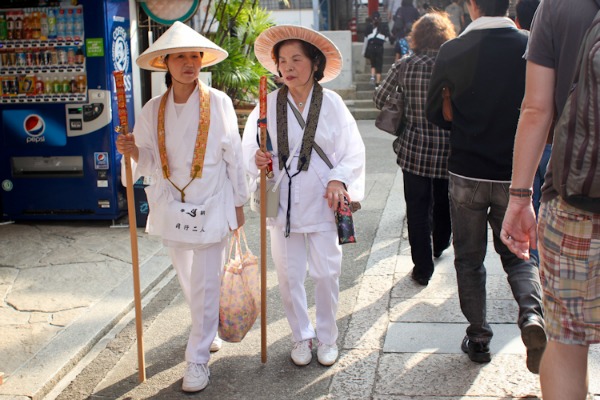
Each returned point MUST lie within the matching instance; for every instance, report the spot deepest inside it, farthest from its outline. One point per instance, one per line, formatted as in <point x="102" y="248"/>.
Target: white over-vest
<point x="312" y="222"/>
<point x="198" y="266"/>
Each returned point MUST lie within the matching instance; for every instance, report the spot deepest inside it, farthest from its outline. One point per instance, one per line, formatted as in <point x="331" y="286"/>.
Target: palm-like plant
<point x="240" y="22"/>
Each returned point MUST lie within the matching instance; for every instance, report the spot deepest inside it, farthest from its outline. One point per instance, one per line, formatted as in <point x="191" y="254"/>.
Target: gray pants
<point x="473" y="204"/>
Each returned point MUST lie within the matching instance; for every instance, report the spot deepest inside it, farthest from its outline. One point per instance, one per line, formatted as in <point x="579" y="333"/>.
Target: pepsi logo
<point x="34" y="125"/>
<point x="101" y="157"/>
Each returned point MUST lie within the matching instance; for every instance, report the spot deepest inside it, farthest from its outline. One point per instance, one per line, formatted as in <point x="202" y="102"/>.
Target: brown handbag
<point x="446" y="104"/>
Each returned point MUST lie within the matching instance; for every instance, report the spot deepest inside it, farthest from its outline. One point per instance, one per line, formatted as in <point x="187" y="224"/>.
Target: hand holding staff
<point x="124" y="129"/>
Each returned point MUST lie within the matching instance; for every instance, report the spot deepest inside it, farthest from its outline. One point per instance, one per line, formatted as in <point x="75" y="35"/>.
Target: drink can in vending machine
<point x="21" y="59"/>
<point x="5" y="87"/>
<point x="81" y="83"/>
<point x="12" y="59"/>
<point x="27" y="85"/>
<point x="53" y="57"/>
<point x="71" y="56"/>
<point x="12" y="83"/>
<point x="62" y="56"/>
<point x="39" y="85"/>
<point x="56" y="85"/>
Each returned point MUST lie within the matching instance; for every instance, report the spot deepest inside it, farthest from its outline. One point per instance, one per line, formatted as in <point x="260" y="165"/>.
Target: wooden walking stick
<point x="262" y="123"/>
<point x="124" y="129"/>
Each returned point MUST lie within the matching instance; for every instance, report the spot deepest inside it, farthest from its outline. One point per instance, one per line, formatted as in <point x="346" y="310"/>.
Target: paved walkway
<point x="68" y="329"/>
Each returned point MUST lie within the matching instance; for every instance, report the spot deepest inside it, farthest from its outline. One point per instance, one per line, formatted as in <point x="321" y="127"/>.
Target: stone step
<point x="364" y="94"/>
<point x="364" y="103"/>
<point x="364" y="113"/>
<point x="364" y="87"/>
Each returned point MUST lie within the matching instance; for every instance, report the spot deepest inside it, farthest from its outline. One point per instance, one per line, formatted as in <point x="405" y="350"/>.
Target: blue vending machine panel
<point x="57" y="148"/>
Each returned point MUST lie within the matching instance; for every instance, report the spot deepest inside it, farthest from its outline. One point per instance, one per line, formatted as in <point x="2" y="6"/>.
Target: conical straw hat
<point x="263" y="47"/>
<point x="177" y="39"/>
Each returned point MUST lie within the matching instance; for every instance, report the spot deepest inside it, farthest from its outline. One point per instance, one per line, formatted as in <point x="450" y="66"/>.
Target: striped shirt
<point x="424" y="147"/>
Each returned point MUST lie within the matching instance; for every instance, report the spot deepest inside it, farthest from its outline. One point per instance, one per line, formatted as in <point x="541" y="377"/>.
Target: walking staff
<point x="124" y="128"/>
<point x="263" y="222"/>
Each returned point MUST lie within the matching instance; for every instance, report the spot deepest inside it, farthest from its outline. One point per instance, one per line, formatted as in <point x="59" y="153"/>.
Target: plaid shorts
<point x="569" y="246"/>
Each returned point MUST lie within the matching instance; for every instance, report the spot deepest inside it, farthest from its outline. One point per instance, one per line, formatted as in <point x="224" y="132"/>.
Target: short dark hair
<point x="525" y="10"/>
<point x="316" y="56"/>
<point x="492" y="8"/>
<point x="430" y="31"/>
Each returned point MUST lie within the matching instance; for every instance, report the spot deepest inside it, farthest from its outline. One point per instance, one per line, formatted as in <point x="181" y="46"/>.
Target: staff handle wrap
<point x="124" y="129"/>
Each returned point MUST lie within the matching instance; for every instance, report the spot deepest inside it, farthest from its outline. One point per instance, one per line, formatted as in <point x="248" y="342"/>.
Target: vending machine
<point x="58" y="108"/>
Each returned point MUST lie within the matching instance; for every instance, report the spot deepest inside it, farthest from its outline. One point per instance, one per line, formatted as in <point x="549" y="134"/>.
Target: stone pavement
<point x="68" y="329"/>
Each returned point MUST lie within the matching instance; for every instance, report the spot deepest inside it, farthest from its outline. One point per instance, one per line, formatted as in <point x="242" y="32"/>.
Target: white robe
<point x="222" y="171"/>
<point x="313" y="240"/>
<point x="337" y="134"/>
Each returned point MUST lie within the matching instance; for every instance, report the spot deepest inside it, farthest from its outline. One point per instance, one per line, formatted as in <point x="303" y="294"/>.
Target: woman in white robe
<point x="304" y="232"/>
<point x="187" y="142"/>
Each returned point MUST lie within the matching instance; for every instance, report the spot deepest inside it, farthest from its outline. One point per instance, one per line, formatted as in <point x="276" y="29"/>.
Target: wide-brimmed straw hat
<point x="177" y="39"/>
<point x="263" y="47"/>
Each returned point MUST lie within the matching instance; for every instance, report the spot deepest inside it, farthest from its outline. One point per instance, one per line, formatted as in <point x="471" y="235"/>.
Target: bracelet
<point x="520" y="192"/>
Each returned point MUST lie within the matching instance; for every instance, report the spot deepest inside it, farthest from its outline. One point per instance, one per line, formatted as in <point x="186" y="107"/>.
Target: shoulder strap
<point x="401" y="72"/>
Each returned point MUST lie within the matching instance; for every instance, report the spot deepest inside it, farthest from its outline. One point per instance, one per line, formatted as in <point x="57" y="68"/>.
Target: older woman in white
<point x="304" y="231"/>
<point x="187" y="141"/>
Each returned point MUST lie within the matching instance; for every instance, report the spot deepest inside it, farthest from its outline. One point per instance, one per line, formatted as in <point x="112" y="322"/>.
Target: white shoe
<point x="195" y="377"/>
<point x="327" y="354"/>
<point x="302" y="352"/>
<point x="216" y="344"/>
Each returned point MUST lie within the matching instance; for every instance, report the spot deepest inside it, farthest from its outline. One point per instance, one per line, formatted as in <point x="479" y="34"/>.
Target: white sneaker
<point x="302" y="352"/>
<point x="195" y="377"/>
<point x="327" y="354"/>
<point x="216" y="344"/>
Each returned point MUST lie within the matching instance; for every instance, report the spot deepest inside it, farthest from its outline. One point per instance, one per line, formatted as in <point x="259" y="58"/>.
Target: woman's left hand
<point x="335" y="194"/>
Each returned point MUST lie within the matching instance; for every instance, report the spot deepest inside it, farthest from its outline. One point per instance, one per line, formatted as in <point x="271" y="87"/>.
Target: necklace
<point x="300" y="104"/>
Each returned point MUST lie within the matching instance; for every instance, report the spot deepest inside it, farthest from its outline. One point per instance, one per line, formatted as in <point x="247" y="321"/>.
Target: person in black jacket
<point x="484" y="71"/>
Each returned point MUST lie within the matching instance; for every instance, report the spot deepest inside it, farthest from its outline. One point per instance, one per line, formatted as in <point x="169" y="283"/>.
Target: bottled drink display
<point x="43" y="54"/>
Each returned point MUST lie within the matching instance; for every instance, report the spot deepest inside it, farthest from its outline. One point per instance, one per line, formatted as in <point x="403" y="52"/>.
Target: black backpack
<point x="401" y="28"/>
<point x="576" y="148"/>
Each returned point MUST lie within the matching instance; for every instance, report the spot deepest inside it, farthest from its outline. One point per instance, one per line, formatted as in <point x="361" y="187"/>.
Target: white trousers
<point x="324" y="257"/>
<point x="199" y="274"/>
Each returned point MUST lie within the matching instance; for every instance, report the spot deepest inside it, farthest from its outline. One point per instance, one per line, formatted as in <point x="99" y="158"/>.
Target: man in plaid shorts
<point x="568" y="237"/>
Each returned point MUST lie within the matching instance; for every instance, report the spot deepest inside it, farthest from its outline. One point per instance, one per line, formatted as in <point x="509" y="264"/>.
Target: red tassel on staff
<point x="124" y="129"/>
<point x="263" y="222"/>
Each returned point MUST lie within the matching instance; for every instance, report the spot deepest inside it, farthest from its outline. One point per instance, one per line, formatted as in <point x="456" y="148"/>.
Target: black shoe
<point x="534" y="338"/>
<point x="478" y="352"/>
<point x="421" y="280"/>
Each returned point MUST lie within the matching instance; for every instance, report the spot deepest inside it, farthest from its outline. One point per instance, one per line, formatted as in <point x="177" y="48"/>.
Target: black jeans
<point x="473" y="204"/>
<point x="427" y="215"/>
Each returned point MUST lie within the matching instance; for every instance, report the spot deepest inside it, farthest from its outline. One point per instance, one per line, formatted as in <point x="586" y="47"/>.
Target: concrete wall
<point x="343" y="40"/>
<point x="294" y="17"/>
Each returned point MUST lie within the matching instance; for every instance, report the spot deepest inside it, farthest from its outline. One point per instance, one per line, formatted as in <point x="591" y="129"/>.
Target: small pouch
<point x="272" y="199"/>
<point x="345" y="223"/>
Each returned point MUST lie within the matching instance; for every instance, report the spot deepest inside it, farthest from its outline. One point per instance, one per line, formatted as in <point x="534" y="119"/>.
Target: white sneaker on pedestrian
<point x="327" y="354"/>
<point x="216" y="344"/>
<point x="195" y="377"/>
<point x="302" y="352"/>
